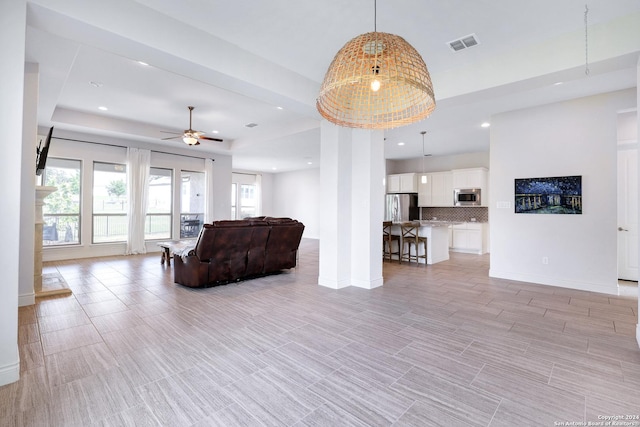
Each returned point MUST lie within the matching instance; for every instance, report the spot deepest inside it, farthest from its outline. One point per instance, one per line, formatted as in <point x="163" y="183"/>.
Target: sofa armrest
<point x="184" y="251"/>
<point x="188" y="270"/>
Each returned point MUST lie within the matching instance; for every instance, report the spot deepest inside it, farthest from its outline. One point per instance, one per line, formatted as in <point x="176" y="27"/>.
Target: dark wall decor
<point x="556" y="195"/>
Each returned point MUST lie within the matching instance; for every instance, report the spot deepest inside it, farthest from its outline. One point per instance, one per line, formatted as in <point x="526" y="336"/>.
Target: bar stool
<point x="410" y="237"/>
<point x="387" y="240"/>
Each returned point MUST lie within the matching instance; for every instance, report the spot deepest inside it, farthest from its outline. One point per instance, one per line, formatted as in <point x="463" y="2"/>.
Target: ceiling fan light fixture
<point x="190" y="140"/>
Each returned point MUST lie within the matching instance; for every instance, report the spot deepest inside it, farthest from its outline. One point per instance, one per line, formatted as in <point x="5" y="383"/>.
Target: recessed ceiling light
<point x="400" y="143"/>
<point x="280" y="108"/>
<point x="96" y="84"/>
<point x="309" y="163"/>
<point x="103" y="108"/>
<point x="143" y="63"/>
<point x="274" y="168"/>
<point x="215" y="131"/>
<point x="558" y="83"/>
<point x="485" y="125"/>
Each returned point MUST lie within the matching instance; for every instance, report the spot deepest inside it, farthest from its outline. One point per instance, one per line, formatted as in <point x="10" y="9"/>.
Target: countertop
<point x="438" y="223"/>
<point x="432" y="223"/>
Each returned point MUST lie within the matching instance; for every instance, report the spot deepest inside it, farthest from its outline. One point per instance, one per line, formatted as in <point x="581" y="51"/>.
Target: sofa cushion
<point x="282" y="246"/>
<point x="228" y="259"/>
<point x="257" y="248"/>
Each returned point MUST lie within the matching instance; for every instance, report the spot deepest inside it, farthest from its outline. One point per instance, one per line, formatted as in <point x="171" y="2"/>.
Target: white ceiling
<point x="237" y="62"/>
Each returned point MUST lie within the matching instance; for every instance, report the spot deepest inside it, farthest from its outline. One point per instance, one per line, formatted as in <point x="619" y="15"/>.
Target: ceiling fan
<point x="190" y="136"/>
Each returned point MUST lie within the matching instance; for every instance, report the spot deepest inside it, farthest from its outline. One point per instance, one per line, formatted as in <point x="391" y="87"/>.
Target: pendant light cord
<point x="423" y="151"/>
<point x="375" y="16"/>
<point x="586" y="40"/>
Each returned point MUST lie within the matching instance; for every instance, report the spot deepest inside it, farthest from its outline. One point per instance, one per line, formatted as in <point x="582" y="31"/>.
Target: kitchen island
<point x="437" y="234"/>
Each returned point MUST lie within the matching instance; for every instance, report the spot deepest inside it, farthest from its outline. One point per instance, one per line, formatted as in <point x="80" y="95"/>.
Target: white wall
<point x="576" y="137"/>
<point x="221" y="187"/>
<point x="297" y="195"/>
<point x="13" y="21"/>
<point x="267" y="194"/>
<point x="628" y="127"/>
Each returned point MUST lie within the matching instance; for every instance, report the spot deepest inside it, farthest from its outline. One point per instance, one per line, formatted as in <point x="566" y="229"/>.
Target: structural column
<point x="26" y="295"/>
<point x="352" y="197"/>
<point x="13" y="24"/>
<point x="335" y="200"/>
<point x="367" y="195"/>
<point x="638" y="124"/>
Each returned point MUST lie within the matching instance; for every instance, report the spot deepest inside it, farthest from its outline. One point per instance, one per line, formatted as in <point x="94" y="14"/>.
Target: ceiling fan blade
<point x="171" y="137"/>
<point x="211" y="139"/>
<point x="166" y="131"/>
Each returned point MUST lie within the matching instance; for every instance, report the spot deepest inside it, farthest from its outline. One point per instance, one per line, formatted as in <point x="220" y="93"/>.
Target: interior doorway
<point x="627" y="209"/>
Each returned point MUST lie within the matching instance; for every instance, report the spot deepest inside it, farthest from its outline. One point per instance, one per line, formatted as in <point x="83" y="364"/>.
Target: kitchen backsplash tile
<point x="481" y="214"/>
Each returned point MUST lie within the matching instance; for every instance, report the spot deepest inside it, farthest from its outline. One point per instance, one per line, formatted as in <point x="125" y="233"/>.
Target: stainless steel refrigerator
<point x="401" y="207"/>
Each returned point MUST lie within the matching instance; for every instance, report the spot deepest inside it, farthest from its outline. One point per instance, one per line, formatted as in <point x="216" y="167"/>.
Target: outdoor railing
<point x="64" y="229"/>
<point x="110" y="228"/>
<point x="61" y="229"/>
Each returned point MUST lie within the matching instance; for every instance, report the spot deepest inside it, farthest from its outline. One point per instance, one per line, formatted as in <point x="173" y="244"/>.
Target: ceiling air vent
<point x="251" y="125"/>
<point x="463" y="42"/>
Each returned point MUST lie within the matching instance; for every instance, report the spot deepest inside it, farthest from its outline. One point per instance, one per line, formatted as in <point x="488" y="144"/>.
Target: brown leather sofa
<point x="229" y="251"/>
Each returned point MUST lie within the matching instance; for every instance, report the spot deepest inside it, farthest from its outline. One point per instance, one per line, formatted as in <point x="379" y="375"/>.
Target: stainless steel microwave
<point x="467" y="197"/>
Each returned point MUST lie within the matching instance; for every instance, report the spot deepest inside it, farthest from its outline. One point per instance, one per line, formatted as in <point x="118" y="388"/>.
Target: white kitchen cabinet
<point x="473" y="178"/>
<point x="437" y="191"/>
<point x="471" y="237"/>
<point x="424" y="190"/>
<point x="442" y="189"/>
<point x="393" y="183"/>
<point x="402" y="183"/>
<point x="470" y="178"/>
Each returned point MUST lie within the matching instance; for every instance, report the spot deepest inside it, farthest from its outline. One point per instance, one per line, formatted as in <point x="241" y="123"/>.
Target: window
<point x="244" y="196"/>
<point x="158" y="220"/>
<point x="110" y="202"/>
<point x="192" y="190"/>
<point x="247" y="200"/>
<point x="62" y="207"/>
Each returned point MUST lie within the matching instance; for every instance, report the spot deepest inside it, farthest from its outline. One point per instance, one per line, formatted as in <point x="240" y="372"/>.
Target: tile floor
<point x="442" y="345"/>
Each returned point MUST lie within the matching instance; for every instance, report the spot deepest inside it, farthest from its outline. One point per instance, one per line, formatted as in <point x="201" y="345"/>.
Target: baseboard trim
<point x="26" y="299"/>
<point x="333" y="284"/>
<point x="553" y="281"/>
<point x="10" y="373"/>
<point x="367" y="284"/>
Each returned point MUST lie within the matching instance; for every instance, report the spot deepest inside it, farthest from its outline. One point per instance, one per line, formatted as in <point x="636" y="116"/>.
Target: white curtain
<point x="138" y="165"/>
<point x="208" y="189"/>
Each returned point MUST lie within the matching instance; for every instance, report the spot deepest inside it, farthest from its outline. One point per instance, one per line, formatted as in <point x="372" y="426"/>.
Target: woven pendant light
<point x="376" y="81"/>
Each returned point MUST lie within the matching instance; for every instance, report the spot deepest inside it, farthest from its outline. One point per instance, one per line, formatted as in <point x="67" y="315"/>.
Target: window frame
<point x="238" y="183"/>
<point x="94" y="214"/>
<point x="43" y="181"/>
<point x="189" y="228"/>
<point x="170" y="214"/>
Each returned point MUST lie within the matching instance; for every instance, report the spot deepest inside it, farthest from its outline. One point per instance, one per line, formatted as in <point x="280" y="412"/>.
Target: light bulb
<point x="189" y="140"/>
<point x="375" y="85"/>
